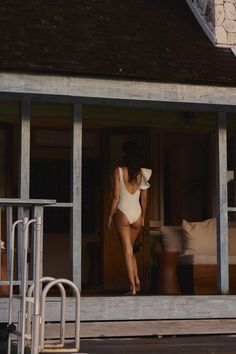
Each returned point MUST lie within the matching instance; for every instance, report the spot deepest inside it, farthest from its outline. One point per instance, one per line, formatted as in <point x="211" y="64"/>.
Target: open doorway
<point x="181" y="157"/>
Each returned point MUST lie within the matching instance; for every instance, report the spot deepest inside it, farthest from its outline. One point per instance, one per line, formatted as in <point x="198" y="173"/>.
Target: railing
<point x="18" y="209"/>
<point x="30" y="327"/>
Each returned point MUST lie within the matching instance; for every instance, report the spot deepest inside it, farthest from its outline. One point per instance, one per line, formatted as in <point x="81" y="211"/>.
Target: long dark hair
<point x="132" y="160"/>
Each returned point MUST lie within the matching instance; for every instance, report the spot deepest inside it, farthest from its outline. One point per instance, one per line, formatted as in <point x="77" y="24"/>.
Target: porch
<point x="100" y="308"/>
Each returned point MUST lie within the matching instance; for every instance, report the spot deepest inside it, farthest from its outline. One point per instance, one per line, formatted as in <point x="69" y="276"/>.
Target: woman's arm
<point x="144" y="199"/>
<point x="115" y="197"/>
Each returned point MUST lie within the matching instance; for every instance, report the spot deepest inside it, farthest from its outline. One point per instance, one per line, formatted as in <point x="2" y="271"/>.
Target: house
<point x="76" y="81"/>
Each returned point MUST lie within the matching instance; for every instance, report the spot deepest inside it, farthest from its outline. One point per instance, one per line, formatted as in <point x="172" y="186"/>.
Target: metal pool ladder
<point x="30" y="328"/>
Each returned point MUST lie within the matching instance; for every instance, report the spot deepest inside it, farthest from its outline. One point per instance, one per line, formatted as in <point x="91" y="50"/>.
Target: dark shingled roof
<point x="153" y="40"/>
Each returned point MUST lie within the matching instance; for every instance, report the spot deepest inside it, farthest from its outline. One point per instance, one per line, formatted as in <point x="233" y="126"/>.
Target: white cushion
<point x="200" y="237"/>
<point x="196" y="238"/>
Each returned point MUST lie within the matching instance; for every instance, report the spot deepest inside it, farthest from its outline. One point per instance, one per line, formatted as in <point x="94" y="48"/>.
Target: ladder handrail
<point x="12" y="244"/>
<point x="24" y="279"/>
<point x="63" y="315"/>
<point x="26" y="224"/>
<point x="37" y="276"/>
<point x="12" y="253"/>
<point x="77" y="311"/>
<point x="32" y="295"/>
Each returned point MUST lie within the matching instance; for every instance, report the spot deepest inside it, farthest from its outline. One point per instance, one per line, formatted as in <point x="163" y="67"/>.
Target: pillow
<point x="200" y="237"/>
<point x="172" y="239"/>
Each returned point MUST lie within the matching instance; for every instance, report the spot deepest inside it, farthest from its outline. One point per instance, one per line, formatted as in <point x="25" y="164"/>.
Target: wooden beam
<point x="222" y="206"/>
<point x="98" y="88"/>
<point x="26" y="202"/>
<point x="122" y="103"/>
<point x="76" y="218"/>
<point x="232" y="209"/>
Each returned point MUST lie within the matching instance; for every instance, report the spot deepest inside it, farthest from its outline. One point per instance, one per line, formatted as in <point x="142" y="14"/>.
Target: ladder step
<point x="59" y="350"/>
<point x="51" y="344"/>
<point x="19" y="334"/>
<point x="20" y="297"/>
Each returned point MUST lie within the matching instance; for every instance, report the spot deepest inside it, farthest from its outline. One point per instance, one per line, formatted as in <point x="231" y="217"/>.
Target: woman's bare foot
<point x="132" y="291"/>
<point x="137" y="286"/>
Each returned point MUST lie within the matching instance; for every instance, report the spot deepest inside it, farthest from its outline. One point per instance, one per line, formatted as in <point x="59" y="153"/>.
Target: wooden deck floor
<point x="224" y="344"/>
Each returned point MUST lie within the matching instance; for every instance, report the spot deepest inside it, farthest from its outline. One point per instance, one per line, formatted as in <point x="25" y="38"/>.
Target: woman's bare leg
<point x="135" y="229"/>
<point x="136" y="277"/>
<point x="124" y="231"/>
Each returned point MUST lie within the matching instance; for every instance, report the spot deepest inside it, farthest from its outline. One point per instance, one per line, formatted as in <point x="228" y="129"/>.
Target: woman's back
<point x="133" y="186"/>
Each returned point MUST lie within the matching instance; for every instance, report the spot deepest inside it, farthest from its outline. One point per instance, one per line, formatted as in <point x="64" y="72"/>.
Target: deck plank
<point x="145" y="328"/>
<point x="166" y="345"/>
<point x="223" y="344"/>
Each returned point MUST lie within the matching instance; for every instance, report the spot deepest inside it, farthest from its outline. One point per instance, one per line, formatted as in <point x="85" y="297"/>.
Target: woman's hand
<point x="110" y="222"/>
<point x="143" y="221"/>
<point x="145" y="231"/>
<point x="143" y="205"/>
<point x="116" y="197"/>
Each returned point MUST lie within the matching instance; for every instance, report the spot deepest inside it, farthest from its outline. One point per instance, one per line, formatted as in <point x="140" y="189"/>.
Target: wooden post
<point x="76" y="218"/>
<point x="37" y="212"/>
<point x="222" y="206"/>
<point x="24" y="170"/>
<point x="8" y="225"/>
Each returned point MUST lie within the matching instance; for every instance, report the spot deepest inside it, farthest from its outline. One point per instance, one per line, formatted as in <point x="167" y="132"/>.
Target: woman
<point x="128" y="207"/>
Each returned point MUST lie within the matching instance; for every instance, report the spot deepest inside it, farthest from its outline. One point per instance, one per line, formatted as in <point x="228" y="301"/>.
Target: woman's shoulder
<point x="116" y="171"/>
<point x="123" y="169"/>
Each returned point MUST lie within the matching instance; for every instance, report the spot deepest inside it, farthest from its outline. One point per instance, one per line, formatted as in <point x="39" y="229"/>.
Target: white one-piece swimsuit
<point x="129" y="202"/>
